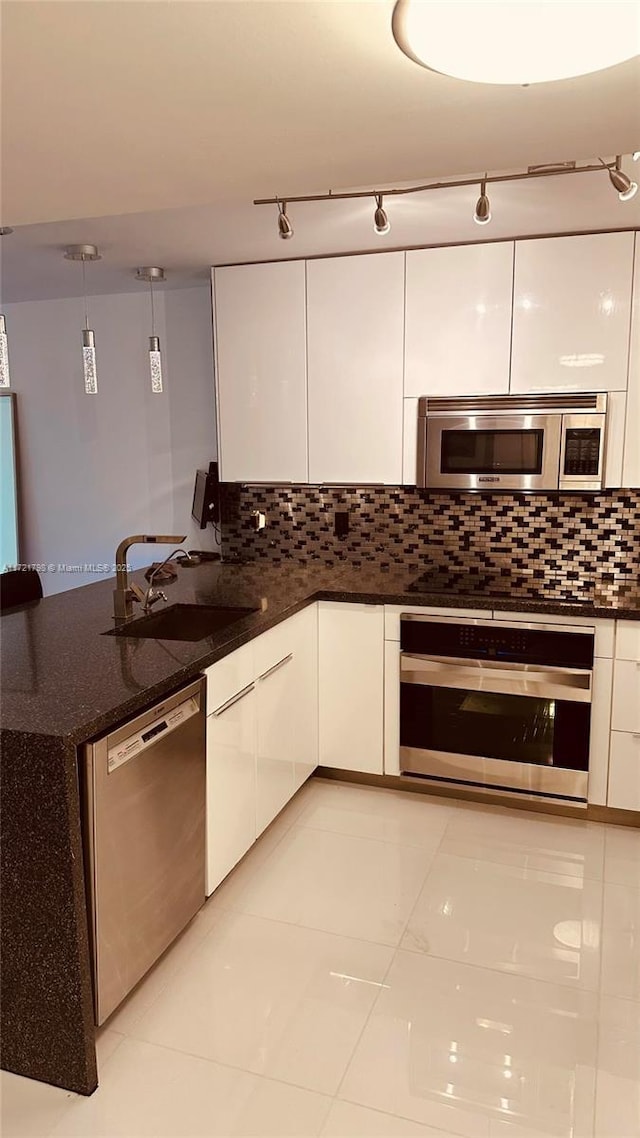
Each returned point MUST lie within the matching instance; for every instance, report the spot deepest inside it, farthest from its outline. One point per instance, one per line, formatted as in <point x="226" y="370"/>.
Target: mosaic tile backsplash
<point x="568" y="535"/>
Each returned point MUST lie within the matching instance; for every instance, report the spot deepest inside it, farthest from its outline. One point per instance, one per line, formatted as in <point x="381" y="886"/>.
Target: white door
<point x="231" y="784"/>
<point x="458" y="320"/>
<point x="351" y="686"/>
<point x="355" y="318"/>
<point x="572" y="301"/>
<point x="260" y="351"/>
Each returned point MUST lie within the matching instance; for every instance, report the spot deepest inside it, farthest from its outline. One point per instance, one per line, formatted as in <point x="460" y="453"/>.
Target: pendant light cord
<point x="153" y="314"/>
<point x="84" y="293"/>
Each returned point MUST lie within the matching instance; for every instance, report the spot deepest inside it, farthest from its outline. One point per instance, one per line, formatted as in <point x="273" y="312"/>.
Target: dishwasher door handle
<point x="234" y="699"/>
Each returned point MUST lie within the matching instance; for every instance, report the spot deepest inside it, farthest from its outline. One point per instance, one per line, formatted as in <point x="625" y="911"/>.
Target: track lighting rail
<point x="553" y="172"/>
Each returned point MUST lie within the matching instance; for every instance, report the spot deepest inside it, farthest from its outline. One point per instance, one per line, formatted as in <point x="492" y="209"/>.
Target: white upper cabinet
<point x="631" y="466"/>
<point x="571" y="313"/>
<point x="259" y="320"/>
<point x="458" y="320"/>
<point x="355" y="321"/>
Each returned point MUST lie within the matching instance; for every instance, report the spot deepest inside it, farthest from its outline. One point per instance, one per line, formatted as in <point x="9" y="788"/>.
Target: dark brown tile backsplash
<point x="572" y="535"/>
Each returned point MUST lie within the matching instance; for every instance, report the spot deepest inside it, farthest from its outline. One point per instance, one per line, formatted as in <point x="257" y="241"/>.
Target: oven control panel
<point x="515" y="644"/>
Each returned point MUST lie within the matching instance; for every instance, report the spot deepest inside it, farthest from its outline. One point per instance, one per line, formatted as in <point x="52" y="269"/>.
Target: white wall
<point x="94" y="469"/>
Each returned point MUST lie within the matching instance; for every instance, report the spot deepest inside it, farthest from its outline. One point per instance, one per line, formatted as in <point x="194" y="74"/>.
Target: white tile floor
<point x="383" y="965"/>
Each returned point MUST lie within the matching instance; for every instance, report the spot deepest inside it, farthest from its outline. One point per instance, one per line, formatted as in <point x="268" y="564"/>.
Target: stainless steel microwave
<point x="512" y="442"/>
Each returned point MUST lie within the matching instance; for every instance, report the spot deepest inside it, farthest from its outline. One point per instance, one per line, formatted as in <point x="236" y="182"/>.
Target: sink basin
<point x="182" y="622"/>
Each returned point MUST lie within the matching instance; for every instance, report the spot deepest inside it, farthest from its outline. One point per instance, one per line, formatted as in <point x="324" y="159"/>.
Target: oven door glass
<point x="514" y="728"/>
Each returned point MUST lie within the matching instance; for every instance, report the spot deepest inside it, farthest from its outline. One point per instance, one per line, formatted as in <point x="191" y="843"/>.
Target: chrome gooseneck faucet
<point x="124" y="595"/>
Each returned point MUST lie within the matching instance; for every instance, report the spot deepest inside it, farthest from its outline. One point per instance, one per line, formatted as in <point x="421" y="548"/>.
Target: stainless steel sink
<point x="182" y="622"/>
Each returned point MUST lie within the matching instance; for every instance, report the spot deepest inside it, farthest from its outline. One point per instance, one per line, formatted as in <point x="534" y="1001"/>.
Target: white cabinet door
<point x="624" y="771"/>
<point x="572" y="299"/>
<point x="287" y="660"/>
<point x="351" y="671"/>
<point x="631" y="466"/>
<point x="355" y="319"/>
<point x="260" y="343"/>
<point x="231" y="784"/>
<point x="458" y="320"/>
<point x="626" y="696"/>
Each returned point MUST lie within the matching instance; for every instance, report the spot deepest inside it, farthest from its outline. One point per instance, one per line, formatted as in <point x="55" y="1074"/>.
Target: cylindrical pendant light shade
<point x="89" y="362"/>
<point x="5" y="378"/>
<point x="155" y="365"/>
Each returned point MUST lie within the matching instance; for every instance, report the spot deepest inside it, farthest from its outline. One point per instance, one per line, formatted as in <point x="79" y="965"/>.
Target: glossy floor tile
<point x="272" y="998"/>
<point x="366" y="813"/>
<point x="153" y="1092"/>
<point x="512" y="919"/>
<point x="356" y="887"/>
<point x="461" y="1048"/>
<point x="384" y="965"/>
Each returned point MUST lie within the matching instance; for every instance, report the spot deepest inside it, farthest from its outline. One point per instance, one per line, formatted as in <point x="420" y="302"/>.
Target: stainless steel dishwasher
<point x="145" y="826"/>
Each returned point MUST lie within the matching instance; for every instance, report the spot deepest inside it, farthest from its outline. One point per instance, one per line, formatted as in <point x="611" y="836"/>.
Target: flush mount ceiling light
<point x="381" y="223"/>
<point x="516" y="41"/>
<point x="623" y="184"/>
<point x="86" y="253"/>
<point x="153" y="275"/>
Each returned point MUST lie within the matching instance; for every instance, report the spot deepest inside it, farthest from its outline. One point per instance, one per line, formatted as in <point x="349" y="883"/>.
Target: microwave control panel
<point x="582" y="451"/>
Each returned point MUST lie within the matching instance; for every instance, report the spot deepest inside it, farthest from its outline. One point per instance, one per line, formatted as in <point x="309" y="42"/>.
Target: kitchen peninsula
<point x="63" y="683"/>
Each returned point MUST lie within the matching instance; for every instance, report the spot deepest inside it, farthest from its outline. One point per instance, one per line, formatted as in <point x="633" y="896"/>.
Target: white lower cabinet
<point x="351" y="686"/>
<point x="624" y="770"/>
<point x="262" y="736"/>
<point x="231" y="784"/>
<point x="287" y="685"/>
<point x="624" y="756"/>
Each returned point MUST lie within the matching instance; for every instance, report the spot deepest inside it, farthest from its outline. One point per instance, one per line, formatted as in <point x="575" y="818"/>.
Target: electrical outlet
<point x="259" y="520"/>
<point x="341" y="523"/>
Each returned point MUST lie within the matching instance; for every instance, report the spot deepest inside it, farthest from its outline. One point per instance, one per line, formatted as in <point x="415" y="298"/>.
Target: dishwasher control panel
<point x="134" y="744"/>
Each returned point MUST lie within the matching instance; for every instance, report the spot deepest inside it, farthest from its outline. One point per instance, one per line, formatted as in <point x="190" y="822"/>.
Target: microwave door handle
<point x="558" y="683"/>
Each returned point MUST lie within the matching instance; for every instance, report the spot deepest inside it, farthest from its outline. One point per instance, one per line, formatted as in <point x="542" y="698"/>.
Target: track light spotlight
<point x="635" y="156"/>
<point x="482" y="215"/>
<point x="285" y="228"/>
<point x="381" y="223"/>
<point x="621" y="182"/>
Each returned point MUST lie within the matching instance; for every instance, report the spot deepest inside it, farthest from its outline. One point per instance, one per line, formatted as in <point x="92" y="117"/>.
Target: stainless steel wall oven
<point x="496" y="705"/>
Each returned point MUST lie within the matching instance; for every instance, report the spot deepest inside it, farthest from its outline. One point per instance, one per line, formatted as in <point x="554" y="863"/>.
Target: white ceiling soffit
<point x="187" y="241"/>
<point x="122" y="106"/>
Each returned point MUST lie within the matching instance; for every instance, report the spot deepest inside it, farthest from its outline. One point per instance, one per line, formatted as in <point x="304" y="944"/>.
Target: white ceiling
<point x="156" y="123"/>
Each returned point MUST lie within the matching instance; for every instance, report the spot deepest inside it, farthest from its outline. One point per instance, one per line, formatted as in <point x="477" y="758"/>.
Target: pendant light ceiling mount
<point x="82" y="253"/>
<point x="152" y="275"/>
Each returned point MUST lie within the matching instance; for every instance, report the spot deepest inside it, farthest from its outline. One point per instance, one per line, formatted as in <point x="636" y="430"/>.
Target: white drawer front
<point x="624" y="771"/>
<point x="626" y="696"/>
<point x="229" y="676"/>
<point x="628" y="640"/>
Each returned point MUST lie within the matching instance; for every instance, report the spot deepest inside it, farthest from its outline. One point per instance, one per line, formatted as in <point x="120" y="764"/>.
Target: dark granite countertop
<point x="62" y="678"/>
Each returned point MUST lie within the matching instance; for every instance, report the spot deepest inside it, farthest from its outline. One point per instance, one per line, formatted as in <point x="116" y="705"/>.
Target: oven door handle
<point x="553" y="683"/>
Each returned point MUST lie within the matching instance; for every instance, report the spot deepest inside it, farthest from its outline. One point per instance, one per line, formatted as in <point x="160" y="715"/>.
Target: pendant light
<point x="5" y="378"/>
<point x="86" y="253"/>
<point x="153" y="275"/>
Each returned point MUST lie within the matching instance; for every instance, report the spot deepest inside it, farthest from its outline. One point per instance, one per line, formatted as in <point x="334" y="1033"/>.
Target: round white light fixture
<point x="516" y="41"/>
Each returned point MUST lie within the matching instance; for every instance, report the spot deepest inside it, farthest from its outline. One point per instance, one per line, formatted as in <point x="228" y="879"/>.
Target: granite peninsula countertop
<point x="62" y="678"/>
